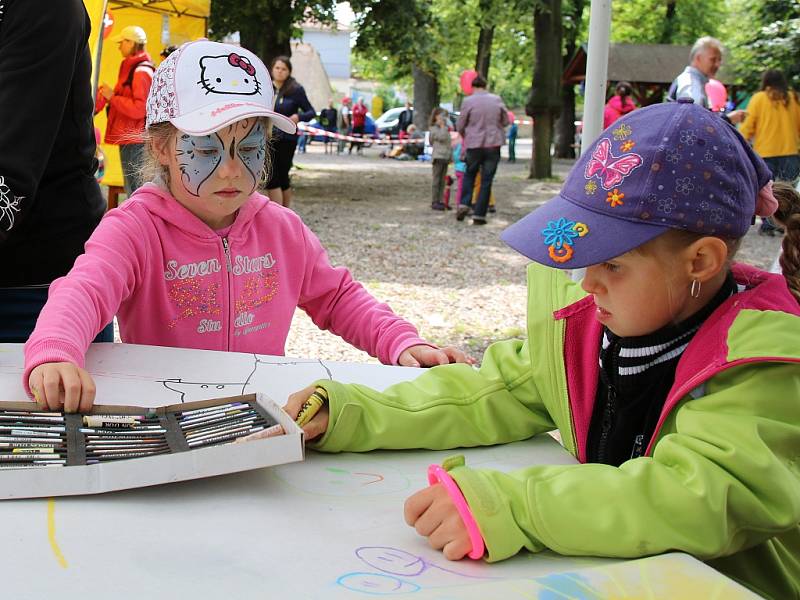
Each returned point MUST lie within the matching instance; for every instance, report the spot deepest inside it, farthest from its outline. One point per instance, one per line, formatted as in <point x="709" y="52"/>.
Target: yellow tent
<point x="167" y="22"/>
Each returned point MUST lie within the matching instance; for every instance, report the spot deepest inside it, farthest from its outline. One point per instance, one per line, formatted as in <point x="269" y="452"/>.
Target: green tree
<point x="406" y="31"/>
<point x="266" y="26"/>
<point x="770" y="41"/>
<point x="665" y="21"/>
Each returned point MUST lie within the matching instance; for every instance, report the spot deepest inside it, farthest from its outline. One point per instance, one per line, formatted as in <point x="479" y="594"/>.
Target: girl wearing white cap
<point x="198" y="258"/>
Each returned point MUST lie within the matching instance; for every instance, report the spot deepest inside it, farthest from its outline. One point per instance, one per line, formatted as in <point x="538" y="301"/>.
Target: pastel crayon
<point x="219" y="424"/>
<point x="30" y="418"/>
<point x="17" y="445"/>
<point x="222" y="438"/>
<point x="216" y="416"/>
<point x="259" y="435"/>
<point x="14" y="426"/>
<point x="32" y="465"/>
<point x="24" y="457"/>
<point x="220" y="431"/>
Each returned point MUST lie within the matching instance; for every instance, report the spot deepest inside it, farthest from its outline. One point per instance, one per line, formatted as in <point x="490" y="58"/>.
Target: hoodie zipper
<point x="229" y="270"/>
<point x="610" y="408"/>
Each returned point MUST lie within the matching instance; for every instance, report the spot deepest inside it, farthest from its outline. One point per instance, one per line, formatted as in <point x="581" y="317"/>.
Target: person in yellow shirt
<point x="773" y="126"/>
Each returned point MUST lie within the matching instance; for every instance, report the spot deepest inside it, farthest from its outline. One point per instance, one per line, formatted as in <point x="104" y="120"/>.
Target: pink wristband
<point x="437" y="474"/>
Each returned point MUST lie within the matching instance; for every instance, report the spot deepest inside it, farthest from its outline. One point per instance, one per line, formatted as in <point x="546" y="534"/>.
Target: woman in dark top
<point x="290" y="100"/>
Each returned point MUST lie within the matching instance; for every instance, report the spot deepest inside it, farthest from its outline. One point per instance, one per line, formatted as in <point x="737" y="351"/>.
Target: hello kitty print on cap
<point x="204" y="86"/>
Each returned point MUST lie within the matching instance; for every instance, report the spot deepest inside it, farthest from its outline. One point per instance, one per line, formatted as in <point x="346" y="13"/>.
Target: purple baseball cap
<point x="675" y="165"/>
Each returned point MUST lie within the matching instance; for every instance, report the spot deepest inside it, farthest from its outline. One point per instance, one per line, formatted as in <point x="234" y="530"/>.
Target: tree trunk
<point x="544" y="99"/>
<point x="542" y="163"/>
<point x="483" y="57"/>
<point x="565" y="125"/>
<point x="668" y="31"/>
<point x="426" y="95"/>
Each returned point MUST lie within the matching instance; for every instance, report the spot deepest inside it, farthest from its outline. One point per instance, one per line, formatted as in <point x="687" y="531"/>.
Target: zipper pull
<point x="227" y="254"/>
<point x="637" y="446"/>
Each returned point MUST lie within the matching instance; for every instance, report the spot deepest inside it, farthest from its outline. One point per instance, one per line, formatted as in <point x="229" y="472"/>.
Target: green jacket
<point x="720" y="480"/>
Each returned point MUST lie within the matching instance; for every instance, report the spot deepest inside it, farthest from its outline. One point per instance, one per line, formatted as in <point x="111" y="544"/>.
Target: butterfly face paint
<point x="252" y="150"/>
<point x="199" y="157"/>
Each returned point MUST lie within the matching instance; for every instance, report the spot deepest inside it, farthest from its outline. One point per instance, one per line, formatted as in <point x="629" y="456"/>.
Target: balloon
<point x="108" y="24"/>
<point x="717" y="94"/>
<point x="466" y="80"/>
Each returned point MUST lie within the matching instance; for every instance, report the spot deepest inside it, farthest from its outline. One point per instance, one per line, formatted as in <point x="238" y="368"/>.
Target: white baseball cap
<point x="204" y="86"/>
<point x="132" y="33"/>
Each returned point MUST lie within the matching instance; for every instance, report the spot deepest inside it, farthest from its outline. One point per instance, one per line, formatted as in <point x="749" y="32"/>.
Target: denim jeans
<point x="784" y="168"/>
<point x="19" y="309"/>
<point x="130" y="158"/>
<point x="485" y="160"/>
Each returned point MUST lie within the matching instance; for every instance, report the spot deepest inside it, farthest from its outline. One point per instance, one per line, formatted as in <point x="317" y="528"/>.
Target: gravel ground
<point x="458" y="283"/>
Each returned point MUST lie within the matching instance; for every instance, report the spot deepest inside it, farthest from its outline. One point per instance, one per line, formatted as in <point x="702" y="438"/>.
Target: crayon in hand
<point x="311" y="407"/>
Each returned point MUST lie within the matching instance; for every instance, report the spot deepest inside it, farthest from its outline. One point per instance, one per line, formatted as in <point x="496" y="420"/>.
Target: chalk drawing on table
<point x="351" y="477"/>
<point x="395" y="566"/>
<point x="377" y="584"/>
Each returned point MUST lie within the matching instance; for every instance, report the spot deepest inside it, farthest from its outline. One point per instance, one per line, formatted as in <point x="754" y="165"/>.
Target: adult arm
<point x="463" y="119"/>
<point x="39" y="42"/>
<point x="306" y="112"/>
<point x="749" y="127"/>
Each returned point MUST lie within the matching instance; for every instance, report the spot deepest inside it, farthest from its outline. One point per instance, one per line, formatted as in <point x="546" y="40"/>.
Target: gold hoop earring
<point x="695" y="289"/>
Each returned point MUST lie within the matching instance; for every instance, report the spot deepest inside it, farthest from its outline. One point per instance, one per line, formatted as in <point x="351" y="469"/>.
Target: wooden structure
<point x="649" y="68"/>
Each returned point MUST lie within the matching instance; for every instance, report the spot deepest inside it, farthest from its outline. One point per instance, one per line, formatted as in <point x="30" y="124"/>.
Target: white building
<point x="332" y="43"/>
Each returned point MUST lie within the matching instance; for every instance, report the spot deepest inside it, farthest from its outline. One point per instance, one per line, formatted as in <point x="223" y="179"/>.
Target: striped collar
<point x="625" y="357"/>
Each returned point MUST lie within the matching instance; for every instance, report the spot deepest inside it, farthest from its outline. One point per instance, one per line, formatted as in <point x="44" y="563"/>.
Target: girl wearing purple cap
<point x="199" y="258"/>
<point x="672" y="373"/>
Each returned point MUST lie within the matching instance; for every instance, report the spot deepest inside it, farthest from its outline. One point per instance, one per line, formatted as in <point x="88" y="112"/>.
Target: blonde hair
<point x="160" y="134"/>
<point x="788" y="215"/>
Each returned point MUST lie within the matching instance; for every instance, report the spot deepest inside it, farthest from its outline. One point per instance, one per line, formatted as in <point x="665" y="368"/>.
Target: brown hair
<point x="623" y="89"/>
<point x="290" y="83"/>
<point x="774" y="84"/>
<point x="159" y="134"/>
<point x="788" y="215"/>
<point x="435" y="113"/>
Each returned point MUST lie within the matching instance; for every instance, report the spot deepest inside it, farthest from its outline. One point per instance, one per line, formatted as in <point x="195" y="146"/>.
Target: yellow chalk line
<point x="51" y="532"/>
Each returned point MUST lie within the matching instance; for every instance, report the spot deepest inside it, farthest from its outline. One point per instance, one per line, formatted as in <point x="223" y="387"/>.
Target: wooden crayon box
<point x="122" y="447"/>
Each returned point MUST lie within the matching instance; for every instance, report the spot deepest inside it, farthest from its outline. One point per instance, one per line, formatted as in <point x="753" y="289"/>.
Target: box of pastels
<point x="122" y="447"/>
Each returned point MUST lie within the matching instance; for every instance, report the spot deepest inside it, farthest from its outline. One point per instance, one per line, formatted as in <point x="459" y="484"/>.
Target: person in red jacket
<point x="126" y="103"/>
<point x="359" y="116"/>
<point x="619" y="104"/>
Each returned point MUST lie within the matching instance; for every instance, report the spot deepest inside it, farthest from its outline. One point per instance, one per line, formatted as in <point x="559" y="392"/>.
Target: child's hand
<point x="422" y="355"/>
<point x="64" y="385"/>
<point x="316" y="426"/>
<point x="432" y="513"/>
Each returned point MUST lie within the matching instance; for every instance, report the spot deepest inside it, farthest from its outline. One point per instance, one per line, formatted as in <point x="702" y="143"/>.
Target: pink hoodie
<point x="173" y="281"/>
<point x="615" y="108"/>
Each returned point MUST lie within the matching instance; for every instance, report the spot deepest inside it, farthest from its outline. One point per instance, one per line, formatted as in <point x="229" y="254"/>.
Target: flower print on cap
<point x="559" y="236"/>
